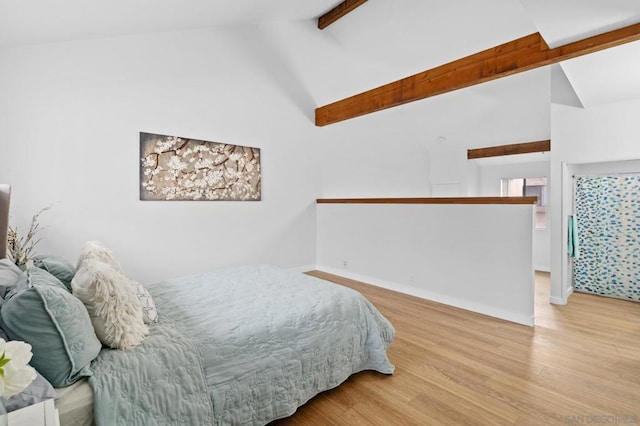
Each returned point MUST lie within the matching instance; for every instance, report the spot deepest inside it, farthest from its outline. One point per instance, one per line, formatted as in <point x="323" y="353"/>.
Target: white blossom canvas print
<point x="177" y="168"/>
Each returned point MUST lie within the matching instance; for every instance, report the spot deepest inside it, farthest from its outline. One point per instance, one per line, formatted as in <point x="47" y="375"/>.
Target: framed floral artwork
<point x="178" y="168"/>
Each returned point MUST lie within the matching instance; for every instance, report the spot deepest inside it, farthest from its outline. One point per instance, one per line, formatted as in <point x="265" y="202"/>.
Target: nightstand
<point x="40" y="414"/>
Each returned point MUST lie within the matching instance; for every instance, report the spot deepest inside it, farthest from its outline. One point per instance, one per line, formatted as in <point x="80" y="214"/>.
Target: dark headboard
<point x="5" y="193"/>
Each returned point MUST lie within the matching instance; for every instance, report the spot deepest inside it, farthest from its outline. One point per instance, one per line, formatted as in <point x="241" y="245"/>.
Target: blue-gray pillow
<point x="9" y="275"/>
<point x="37" y="275"/>
<point x="55" y="323"/>
<point x="56" y="266"/>
<point x="39" y="390"/>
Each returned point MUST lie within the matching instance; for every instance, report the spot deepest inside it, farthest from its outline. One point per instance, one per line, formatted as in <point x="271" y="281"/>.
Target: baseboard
<point x="302" y="269"/>
<point x="561" y="300"/>
<point x="570" y="291"/>
<point x="557" y="300"/>
<point x="434" y="297"/>
<point x="542" y="269"/>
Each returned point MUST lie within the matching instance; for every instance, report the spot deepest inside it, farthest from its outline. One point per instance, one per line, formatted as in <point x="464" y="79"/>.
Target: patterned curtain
<point x="608" y="219"/>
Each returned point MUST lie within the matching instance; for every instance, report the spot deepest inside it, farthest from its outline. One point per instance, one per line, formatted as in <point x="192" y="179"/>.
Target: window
<point x="529" y="187"/>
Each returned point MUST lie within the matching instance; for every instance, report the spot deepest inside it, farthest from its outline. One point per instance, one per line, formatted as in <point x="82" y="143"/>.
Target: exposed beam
<point x="338" y="12"/>
<point x="517" y="148"/>
<point x="516" y="56"/>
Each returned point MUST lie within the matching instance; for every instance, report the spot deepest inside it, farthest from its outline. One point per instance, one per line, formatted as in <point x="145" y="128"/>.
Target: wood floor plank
<point x="455" y="367"/>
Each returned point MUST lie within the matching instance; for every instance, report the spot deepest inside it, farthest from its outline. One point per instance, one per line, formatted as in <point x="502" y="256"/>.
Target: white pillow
<point x="111" y="302"/>
<point x="9" y="274"/>
<point x="149" y="311"/>
<point x="95" y="250"/>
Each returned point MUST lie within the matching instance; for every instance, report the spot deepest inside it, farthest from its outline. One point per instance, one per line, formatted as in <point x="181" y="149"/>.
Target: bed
<point x="238" y="346"/>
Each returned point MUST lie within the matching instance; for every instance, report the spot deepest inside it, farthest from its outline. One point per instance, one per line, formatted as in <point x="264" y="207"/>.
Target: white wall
<point x="477" y="257"/>
<point x="490" y="177"/>
<point x="592" y="135"/>
<point x="448" y="171"/>
<point x="70" y="114"/>
<point x="70" y="117"/>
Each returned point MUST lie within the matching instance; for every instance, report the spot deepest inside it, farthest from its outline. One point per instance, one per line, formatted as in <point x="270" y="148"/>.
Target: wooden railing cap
<point x="431" y="200"/>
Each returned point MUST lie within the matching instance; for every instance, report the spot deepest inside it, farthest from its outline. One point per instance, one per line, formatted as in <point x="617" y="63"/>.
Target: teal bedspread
<point x="240" y="346"/>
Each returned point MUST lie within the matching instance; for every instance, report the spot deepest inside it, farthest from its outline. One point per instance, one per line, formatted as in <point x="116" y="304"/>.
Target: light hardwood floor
<point x="579" y="365"/>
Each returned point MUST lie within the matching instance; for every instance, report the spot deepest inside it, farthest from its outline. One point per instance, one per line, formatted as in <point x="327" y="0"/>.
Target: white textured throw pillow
<point x="149" y="311"/>
<point x="95" y="250"/>
<point x="112" y="303"/>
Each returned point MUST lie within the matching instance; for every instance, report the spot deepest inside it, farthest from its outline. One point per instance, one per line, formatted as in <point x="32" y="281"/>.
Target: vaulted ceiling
<point x="377" y="43"/>
<point x="603" y="77"/>
<point x="42" y="21"/>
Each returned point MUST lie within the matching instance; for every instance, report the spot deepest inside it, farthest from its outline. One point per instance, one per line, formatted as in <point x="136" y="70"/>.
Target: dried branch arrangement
<point x="20" y="249"/>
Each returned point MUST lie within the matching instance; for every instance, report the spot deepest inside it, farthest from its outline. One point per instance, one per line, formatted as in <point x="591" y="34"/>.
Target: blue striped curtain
<point x="608" y="219"/>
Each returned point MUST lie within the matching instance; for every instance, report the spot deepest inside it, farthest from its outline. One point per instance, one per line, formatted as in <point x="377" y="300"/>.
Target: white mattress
<point x="75" y="404"/>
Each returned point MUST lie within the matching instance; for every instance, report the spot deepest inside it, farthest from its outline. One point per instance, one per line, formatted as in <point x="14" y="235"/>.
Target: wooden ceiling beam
<point x="338" y="12"/>
<point x="513" y="57"/>
<point x="512" y="149"/>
